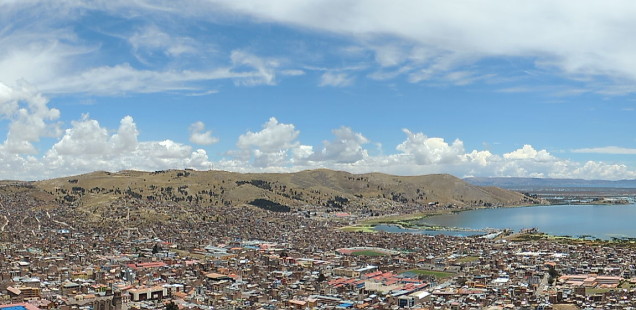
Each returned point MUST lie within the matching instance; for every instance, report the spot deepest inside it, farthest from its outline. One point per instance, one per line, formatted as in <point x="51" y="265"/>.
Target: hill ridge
<point x="322" y="188"/>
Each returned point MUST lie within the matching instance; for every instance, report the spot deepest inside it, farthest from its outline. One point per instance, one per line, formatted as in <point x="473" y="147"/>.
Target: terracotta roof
<point x="147" y="265"/>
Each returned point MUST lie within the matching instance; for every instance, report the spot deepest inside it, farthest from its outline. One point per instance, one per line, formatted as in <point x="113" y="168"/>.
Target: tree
<point x="155" y="249"/>
<point x="321" y="277"/>
<point x="553" y="273"/>
<point x="171" y="306"/>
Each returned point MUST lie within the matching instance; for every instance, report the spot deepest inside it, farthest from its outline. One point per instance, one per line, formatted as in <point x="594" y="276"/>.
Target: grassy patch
<point x="392" y="219"/>
<point x="467" y="259"/>
<point x="436" y="274"/>
<point x="183" y="253"/>
<point x="592" y="291"/>
<point x="359" y="228"/>
<point x="565" y="307"/>
<point x="368" y="253"/>
<point x="527" y="237"/>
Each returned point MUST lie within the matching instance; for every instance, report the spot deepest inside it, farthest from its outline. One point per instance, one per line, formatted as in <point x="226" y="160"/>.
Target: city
<point x="317" y="154"/>
<point x="245" y="257"/>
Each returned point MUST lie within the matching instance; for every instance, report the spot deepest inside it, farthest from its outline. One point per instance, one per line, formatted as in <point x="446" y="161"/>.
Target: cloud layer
<point x="585" y="42"/>
<point x="87" y="146"/>
<point x="82" y="48"/>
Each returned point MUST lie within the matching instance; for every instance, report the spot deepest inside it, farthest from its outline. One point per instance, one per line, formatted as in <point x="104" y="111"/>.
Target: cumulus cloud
<point x="83" y="147"/>
<point x="268" y="147"/>
<point x="30" y="118"/>
<point x="345" y="148"/>
<point x="601" y="170"/>
<point x="480" y="158"/>
<point x="273" y="137"/>
<point x="198" y="135"/>
<point x="276" y="149"/>
<point x="527" y="152"/>
<point x="425" y="150"/>
<point x="87" y="146"/>
<point x="87" y="137"/>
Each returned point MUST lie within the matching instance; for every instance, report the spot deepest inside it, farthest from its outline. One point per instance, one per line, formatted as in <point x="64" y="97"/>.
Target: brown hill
<point x="313" y="190"/>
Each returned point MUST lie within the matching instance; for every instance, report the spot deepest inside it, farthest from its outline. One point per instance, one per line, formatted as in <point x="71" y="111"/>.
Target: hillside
<point x="317" y="190"/>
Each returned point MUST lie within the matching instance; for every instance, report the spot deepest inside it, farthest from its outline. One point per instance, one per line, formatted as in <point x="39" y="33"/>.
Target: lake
<point x="599" y="221"/>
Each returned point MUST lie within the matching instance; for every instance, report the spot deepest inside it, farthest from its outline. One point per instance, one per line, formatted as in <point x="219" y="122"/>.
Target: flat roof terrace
<point x="21" y="306"/>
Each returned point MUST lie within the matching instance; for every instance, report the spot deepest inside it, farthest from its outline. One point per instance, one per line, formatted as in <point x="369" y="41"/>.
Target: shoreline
<point x="407" y="222"/>
<point x="404" y="221"/>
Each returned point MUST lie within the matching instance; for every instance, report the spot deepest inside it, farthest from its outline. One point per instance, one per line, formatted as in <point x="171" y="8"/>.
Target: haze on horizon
<point x="488" y="88"/>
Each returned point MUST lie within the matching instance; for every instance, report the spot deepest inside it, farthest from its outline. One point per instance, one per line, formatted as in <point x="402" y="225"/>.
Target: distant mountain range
<point x="526" y="183"/>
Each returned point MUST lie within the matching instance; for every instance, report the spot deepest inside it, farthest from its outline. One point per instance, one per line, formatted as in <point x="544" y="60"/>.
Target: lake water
<point x="599" y="221"/>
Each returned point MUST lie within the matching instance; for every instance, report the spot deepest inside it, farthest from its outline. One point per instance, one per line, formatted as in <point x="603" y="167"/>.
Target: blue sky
<point x="488" y="88"/>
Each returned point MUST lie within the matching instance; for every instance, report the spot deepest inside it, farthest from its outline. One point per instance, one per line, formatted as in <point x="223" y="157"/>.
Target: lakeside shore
<point x="405" y="221"/>
<point x="413" y="223"/>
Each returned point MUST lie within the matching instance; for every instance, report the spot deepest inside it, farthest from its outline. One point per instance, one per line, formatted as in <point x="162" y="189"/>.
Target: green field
<point x="359" y="228"/>
<point x="368" y="253"/>
<point x="436" y="274"/>
<point x="467" y="259"/>
<point x="593" y="290"/>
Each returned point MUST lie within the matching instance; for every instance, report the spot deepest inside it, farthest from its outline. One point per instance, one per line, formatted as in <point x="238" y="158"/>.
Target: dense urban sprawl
<point x="227" y="257"/>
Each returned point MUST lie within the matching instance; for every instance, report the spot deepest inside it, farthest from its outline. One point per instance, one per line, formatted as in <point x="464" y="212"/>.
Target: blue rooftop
<point x="13" y="308"/>
<point x="345" y="305"/>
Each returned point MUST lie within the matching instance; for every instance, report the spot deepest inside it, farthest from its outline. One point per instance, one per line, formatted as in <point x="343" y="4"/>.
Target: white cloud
<point x="268" y="147"/>
<point x="527" y="152"/>
<point x="335" y="79"/>
<point x="198" y="135"/>
<point x="425" y="150"/>
<point x="49" y="54"/>
<point x="265" y="68"/>
<point x="601" y="170"/>
<point x="273" y="137"/>
<point x="301" y="153"/>
<point x="87" y="146"/>
<point x="390" y="55"/>
<point x="150" y="39"/>
<point x="292" y="72"/>
<point x="607" y="150"/>
<point x="87" y="137"/>
<point x="346" y="148"/>
<point x="37" y="55"/>
<point x="578" y="39"/>
<point x="109" y="80"/>
<point x="30" y="118"/>
<point x="126" y="137"/>
<point x="422" y="40"/>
